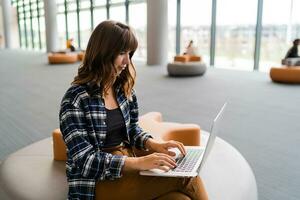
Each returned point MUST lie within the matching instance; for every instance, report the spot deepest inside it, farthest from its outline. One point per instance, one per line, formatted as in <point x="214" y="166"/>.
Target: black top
<point x="116" y="129"/>
<point x="292" y="53"/>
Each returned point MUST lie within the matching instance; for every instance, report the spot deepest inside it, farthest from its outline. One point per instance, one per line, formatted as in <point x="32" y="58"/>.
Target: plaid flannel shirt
<point x="82" y="123"/>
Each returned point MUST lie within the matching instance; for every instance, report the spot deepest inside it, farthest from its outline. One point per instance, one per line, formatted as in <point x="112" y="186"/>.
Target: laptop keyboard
<point x="187" y="163"/>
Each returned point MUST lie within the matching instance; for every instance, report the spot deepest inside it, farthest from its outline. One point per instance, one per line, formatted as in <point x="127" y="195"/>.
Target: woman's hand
<point x="161" y="159"/>
<point x="155" y="160"/>
<point x="163" y="147"/>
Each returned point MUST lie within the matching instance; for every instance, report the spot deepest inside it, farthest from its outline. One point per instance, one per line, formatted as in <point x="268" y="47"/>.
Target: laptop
<point x="191" y="164"/>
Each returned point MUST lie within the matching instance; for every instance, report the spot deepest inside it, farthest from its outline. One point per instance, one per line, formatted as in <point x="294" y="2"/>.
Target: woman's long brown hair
<point x="107" y="41"/>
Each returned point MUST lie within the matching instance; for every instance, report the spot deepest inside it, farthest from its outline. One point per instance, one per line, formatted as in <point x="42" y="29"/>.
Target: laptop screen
<point x="213" y="133"/>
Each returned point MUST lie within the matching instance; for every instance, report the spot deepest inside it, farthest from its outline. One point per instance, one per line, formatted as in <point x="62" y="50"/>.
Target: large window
<point x="195" y="25"/>
<point x="278" y="31"/>
<point x="82" y="16"/>
<point x="139" y="25"/>
<point x="235" y="34"/>
<point x="73" y="31"/>
<point x="117" y="13"/>
<point x="30" y="14"/>
<point x="75" y="19"/>
<point x="172" y="14"/>
<point x="85" y="20"/>
<point x="295" y="19"/>
<point x="72" y="23"/>
<point x="85" y="32"/>
<point x="99" y="15"/>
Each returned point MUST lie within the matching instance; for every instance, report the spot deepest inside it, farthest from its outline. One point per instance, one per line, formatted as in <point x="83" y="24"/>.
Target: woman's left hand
<point x="163" y="147"/>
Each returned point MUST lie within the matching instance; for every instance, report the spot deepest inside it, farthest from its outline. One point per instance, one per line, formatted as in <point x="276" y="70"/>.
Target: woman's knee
<point x="194" y="188"/>
<point x="174" y="196"/>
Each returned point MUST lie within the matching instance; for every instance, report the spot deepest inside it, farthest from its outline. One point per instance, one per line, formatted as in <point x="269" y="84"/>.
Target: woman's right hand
<point x="155" y="160"/>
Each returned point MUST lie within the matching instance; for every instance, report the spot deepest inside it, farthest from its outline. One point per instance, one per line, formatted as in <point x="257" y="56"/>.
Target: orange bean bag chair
<point x="285" y="74"/>
<point x="187" y="58"/>
<point x="62" y="58"/>
<point x="81" y="55"/>
<point x="188" y="134"/>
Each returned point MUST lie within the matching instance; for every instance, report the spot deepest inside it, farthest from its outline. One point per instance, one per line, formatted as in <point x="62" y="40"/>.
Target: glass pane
<point x="34" y="13"/>
<point x="20" y="9"/>
<point x="61" y="8"/>
<point x="33" y="6"/>
<point x="42" y="12"/>
<point x="295" y="20"/>
<point x="84" y="4"/>
<point x="60" y="1"/>
<point x="195" y="25"/>
<point x="41" y="5"/>
<point x="28" y="31"/>
<point x="99" y="15"/>
<point x="235" y="36"/>
<point x="99" y="2"/>
<point x="27" y="14"/>
<point x="72" y="28"/>
<point x="22" y="32"/>
<point x="43" y="32"/>
<point x="35" y="29"/>
<point x="172" y="7"/>
<point x="20" y="3"/>
<point x="276" y="32"/>
<point x="72" y="7"/>
<point x="139" y="25"/>
<point x="26" y="8"/>
<point x="61" y="29"/>
<point x="117" y="1"/>
<point x="117" y="13"/>
<point x="85" y="28"/>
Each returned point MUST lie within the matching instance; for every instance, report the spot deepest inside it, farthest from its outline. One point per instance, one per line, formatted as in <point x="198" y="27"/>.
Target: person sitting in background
<point x="69" y="44"/>
<point x="293" y="51"/>
<point x="190" y="50"/>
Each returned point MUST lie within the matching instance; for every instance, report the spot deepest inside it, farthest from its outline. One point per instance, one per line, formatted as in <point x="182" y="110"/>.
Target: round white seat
<point x="226" y="174"/>
<point x="31" y="173"/>
<point x="186" y="68"/>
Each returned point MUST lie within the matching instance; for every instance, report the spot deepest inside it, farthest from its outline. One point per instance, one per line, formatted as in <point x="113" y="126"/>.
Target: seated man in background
<point x="293" y="51"/>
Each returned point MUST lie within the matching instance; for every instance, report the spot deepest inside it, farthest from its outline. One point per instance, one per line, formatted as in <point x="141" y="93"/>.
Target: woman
<point x="99" y="123"/>
<point x="190" y="50"/>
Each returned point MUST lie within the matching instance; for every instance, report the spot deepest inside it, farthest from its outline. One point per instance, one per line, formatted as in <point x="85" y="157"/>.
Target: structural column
<point x="157" y="32"/>
<point x="51" y="25"/>
<point x="6" y="12"/>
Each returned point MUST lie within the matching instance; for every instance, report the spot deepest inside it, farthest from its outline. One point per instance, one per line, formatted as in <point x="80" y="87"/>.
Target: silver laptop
<point x="191" y="164"/>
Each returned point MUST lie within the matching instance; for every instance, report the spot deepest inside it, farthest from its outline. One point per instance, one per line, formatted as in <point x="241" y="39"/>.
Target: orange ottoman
<point x="195" y="58"/>
<point x="81" y="55"/>
<point x="62" y="58"/>
<point x="285" y="74"/>
<point x="181" y="58"/>
<point x="187" y="58"/>
<point x="188" y="134"/>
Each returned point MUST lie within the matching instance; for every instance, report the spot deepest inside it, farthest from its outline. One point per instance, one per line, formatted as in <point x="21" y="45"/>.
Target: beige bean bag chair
<point x="81" y="55"/>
